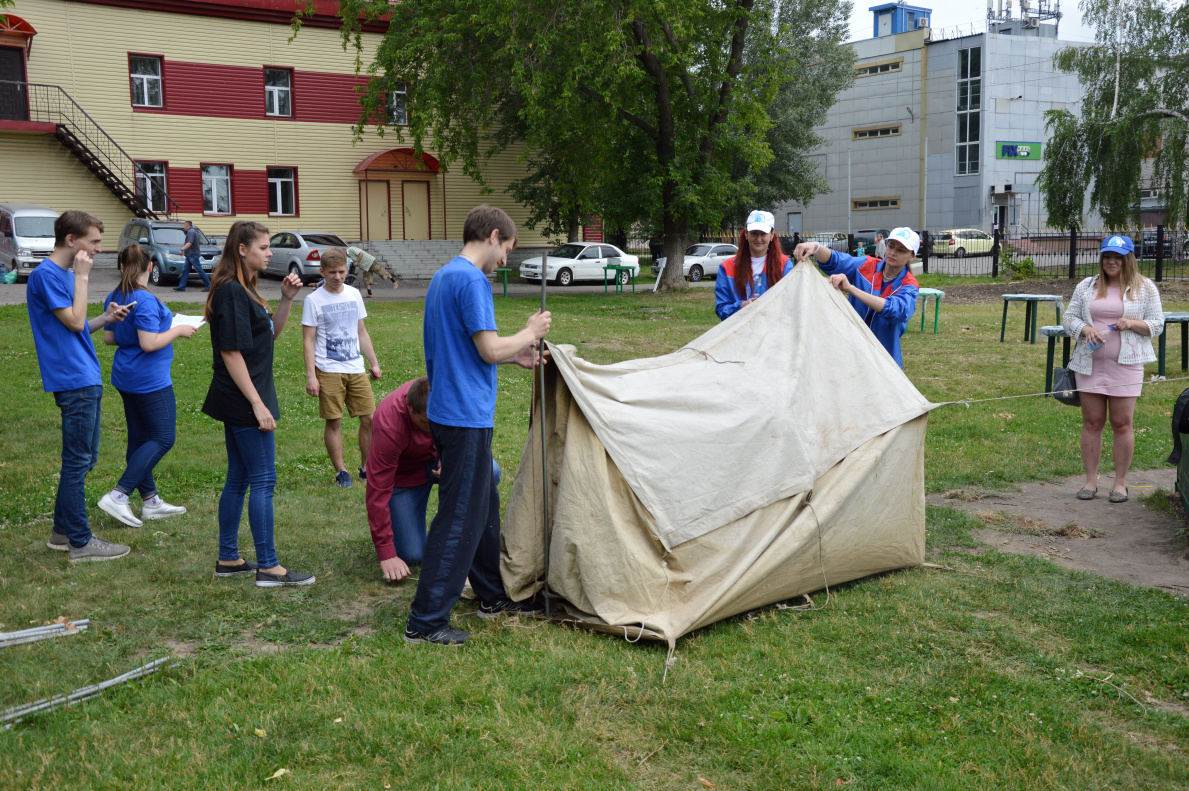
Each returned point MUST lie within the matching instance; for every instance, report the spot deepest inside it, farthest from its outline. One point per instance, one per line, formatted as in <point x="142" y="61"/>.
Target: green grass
<point x="975" y="677"/>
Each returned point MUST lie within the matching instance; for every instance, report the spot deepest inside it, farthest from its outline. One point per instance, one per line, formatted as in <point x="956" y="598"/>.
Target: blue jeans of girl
<point x="251" y="464"/>
<point x="152" y="427"/>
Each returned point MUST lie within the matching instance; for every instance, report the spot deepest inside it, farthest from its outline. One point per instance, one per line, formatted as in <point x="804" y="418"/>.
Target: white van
<point x="26" y="235"/>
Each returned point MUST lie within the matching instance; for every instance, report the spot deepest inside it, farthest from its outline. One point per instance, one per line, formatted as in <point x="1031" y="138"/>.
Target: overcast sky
<point x="948" y="13"/>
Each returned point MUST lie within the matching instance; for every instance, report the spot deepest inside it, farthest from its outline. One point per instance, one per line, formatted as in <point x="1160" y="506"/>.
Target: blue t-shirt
<point x="134" y="370"/>
<point x="461" y="385"/>
<point x="67" y="359"/>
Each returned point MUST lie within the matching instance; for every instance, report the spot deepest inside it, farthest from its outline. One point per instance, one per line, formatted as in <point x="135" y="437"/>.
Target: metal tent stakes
<point x="42" y="632"/>
<point x="14" y="715"/>
<point x="544" y="458"/>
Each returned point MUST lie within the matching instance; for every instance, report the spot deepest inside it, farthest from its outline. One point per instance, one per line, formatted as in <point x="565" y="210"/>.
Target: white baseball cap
<point x="760" y="220"/>
<point x="907" y="237"/>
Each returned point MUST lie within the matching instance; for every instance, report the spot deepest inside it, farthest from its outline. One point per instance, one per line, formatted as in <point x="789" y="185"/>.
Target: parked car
<point x="26" y="235"/>
<point x="300" y="253"/>
<point x="1145" y="245"/>
<point x="961" y="242"/>
<point x="865" y="239"/>
<point x="580" y="261"/>
<point x="701" y="260"/>
<point x="835" y="240"/>
<point x="164" y="240"/>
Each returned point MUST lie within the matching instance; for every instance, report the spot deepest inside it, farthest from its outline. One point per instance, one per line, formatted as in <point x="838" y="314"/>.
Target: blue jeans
<point x="80" y="451"/>
<point x="464" y="539"/>
<point x="152" y="425"/>
<point x="407" y="507"/>
<point x="194" y="262"/>
<point x="251" y="463"/>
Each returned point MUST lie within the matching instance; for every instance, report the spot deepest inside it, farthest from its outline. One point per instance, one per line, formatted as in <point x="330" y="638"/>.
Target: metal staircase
<point x="92" y="146"/>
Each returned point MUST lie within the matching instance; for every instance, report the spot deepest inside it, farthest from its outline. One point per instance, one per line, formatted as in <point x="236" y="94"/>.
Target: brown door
<point x="416" y="205"/>
<point x="14" y="106"/>
<point x="377" y="225"/>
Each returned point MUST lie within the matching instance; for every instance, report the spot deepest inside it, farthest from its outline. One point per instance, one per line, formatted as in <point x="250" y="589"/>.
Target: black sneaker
<point x="362" y="474"/>
<point x="179" y="288"/>
<point x="208" y="288"/>
<point x="290" y="577"/>
<point x="343" y="479"/>
<point x="447" y="636"/>
<point x="500" y="607"/>
<point x="231" y="570"/>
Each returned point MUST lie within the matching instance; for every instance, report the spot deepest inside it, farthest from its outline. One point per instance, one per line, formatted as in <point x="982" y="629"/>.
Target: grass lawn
<point x="977" y="677"/>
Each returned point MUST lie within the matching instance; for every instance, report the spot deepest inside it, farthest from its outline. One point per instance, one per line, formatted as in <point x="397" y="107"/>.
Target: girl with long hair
<point x="759" y="265"/>
<point x="243" y="397"/>
<point x="140" y="373"/>
<point x="1113" y="315"/>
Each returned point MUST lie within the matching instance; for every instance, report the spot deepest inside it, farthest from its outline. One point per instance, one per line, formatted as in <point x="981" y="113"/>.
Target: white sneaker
<point x="120" y="511"/>
<point x="161" y="510"/>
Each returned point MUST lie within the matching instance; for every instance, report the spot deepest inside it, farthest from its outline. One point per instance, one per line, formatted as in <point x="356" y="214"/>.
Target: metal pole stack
<point x="14" y="715"/>
<point x="42" y="632"/>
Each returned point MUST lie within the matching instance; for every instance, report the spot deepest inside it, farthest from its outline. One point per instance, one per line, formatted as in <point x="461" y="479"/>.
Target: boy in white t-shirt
<point x="334" y="335"/>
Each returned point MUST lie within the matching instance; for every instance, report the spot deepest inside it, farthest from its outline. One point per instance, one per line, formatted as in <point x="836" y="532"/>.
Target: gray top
<point x="1034" y="297"/>
<point x="1056" y="331"/>
<point x="192" y="240"/>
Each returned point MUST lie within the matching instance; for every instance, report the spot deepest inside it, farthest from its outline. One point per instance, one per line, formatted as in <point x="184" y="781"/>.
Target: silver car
<point x="701" y="260"/>
<point x="26" y="235"/>
<point x="300" y="253"/>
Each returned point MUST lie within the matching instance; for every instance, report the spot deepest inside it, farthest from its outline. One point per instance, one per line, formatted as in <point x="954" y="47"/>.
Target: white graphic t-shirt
<point x="336" y="344"/>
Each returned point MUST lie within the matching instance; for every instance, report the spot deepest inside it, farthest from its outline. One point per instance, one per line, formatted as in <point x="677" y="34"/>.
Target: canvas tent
<point x="781" y="451"/>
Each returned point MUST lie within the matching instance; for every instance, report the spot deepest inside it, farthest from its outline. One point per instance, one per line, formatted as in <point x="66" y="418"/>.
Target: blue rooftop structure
<point x="891" y="18"/>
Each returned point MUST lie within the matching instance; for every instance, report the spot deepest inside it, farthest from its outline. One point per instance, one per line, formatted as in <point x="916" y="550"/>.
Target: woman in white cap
<point x="1113" y="315"/>
<point x="883" y="291"/>
<point x="738" y="285"/>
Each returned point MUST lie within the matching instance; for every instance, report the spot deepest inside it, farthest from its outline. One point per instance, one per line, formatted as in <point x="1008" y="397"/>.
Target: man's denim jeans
<point x="194" y="262"/>
<point x="80" y="451"/>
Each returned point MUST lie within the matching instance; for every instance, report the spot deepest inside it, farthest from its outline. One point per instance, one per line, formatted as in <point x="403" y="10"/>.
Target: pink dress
<point x="1107" y="377"/>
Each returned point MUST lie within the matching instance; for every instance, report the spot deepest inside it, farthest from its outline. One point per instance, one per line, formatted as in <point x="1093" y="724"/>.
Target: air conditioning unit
<point x="1032" y="22"/>
<point x="922" y="23"/>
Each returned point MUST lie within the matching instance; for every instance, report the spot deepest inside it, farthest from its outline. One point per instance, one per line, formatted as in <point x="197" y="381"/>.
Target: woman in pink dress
<point x="1114" y="316"/>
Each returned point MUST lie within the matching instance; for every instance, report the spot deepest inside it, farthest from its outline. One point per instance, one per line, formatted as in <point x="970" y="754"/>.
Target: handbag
<point x="1065" y="387"/>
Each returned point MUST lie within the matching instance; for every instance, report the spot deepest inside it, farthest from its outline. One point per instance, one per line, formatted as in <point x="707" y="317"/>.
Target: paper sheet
<point x="182" y="318"/>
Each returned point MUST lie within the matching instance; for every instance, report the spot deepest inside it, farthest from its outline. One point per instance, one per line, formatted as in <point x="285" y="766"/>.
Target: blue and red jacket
<point x="726" y="299"/>
<point x="865" y="272"/>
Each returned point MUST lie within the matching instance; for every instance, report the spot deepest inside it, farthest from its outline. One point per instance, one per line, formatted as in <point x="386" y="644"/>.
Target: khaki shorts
<point x="334" y="390"/>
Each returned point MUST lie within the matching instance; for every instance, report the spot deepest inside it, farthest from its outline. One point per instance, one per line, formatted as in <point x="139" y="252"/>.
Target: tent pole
<point x="544" y="449"/>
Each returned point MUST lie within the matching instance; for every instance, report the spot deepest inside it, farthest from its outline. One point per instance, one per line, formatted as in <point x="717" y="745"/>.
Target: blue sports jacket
<point x="866" y="273"/>
<point x="726" y="299"/>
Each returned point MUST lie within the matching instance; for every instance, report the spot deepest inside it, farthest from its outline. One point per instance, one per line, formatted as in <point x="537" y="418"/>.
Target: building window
<point x="145" y="73"/>
<point x="216" y="189"/>
<point x="150" y="186"/>
<point x="887" y="67"/>
<point x="878" y="131"/>
<point x="398" y="111"/>
<point x="863" y="204"/>
<point x="969" y="104"/>
<point x="282" y="191"/>
<point x="278" y="92"/>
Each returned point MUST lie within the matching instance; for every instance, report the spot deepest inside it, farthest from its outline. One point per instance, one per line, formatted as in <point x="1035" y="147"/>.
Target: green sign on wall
<point x="1012" y="150"/>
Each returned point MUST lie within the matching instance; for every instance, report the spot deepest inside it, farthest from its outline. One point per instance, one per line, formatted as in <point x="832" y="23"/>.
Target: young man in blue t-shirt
<point x="57" y="301"/>
<point x="461" y="352"/>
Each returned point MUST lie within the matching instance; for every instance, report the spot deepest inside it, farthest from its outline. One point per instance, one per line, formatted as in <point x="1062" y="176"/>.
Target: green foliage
<point x="678" y="114"/>
<point x="1020" y="267"/>
<point x="1134" y="116"/>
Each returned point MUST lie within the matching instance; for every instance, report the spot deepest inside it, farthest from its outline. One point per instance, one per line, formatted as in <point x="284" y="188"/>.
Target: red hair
<point x="773" y="267"/>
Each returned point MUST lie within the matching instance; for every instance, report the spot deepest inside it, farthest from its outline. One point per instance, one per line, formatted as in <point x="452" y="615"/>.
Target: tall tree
<point x="1134" y="122"/>
<point x="655" y="110"/>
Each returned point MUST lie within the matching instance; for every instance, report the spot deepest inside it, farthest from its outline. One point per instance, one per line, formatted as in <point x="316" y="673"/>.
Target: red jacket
<point x="399" y="454"/>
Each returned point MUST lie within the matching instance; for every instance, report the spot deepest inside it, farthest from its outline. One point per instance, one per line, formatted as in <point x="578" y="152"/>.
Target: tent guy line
<point x="968" y="402"/>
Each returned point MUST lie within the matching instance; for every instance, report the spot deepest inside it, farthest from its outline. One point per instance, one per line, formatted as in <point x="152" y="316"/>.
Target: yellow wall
<point x="84" y="49"/>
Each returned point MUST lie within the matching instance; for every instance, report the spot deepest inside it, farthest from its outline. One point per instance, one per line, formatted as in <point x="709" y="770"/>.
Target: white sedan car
<point x="701" y="260"/>
<point x="580" y="261"/>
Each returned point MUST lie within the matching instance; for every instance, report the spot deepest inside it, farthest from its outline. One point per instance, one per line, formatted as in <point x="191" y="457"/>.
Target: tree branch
<point x="631" y="118"/>
<point x="1164" y="112"/>
<point x="685" y="80"/>
<point x="734" y="65"/>
<point x="666" y="128"/>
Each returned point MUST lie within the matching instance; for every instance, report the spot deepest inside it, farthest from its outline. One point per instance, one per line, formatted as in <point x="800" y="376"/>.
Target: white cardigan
<point x="1134" y="348"/>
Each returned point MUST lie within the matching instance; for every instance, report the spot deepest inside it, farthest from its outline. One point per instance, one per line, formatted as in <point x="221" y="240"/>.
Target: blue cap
<point x="1117" y="243"/>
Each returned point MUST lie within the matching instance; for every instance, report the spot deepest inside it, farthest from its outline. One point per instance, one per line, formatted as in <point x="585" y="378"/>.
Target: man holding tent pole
<point x="883" y="292"/>
<point x="462" y="350"/>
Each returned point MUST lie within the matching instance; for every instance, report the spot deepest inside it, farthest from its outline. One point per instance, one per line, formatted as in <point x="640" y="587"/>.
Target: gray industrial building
<point x="941" y="130"/>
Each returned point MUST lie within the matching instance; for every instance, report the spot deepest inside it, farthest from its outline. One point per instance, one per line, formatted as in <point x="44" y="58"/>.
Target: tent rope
<point x="640" y="632"/>
<point x="821" y="557"/>
<point x="968" y="401"/>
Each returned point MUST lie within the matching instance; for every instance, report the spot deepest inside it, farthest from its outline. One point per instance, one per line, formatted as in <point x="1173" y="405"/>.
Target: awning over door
<point x="14" y="30"/>
<point x="399" y="159"/>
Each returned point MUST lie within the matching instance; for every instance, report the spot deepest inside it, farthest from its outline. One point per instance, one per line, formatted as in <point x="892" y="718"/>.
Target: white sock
<point x="154" y="501"/>
<point x="119" y="496"/>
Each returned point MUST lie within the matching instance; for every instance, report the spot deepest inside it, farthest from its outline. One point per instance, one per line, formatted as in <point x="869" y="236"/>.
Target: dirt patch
<point x="993" y="290"/>
<point x="1125" y="541"/>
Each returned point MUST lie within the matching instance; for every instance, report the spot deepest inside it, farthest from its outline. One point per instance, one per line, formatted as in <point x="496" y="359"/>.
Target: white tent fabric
<point x="752" y="412"/>
<point x="794" y="460"/>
